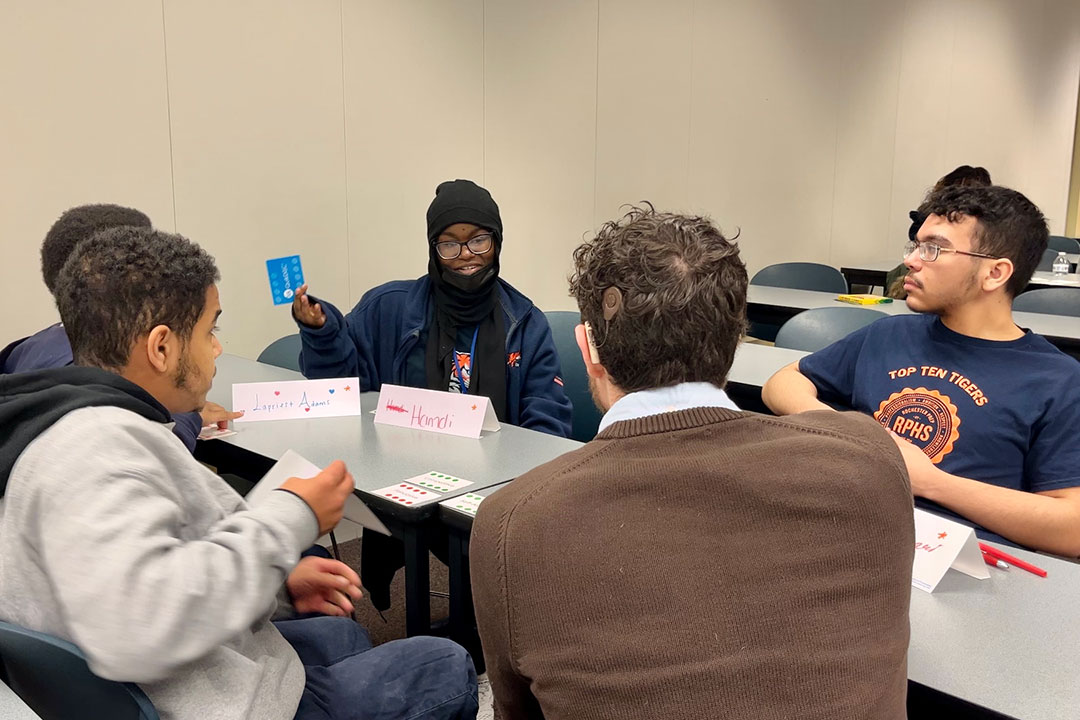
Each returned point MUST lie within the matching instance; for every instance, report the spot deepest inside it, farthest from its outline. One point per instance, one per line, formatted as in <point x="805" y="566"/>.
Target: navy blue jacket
<point x="50" y="348"/>
<point x="374" y="341"/>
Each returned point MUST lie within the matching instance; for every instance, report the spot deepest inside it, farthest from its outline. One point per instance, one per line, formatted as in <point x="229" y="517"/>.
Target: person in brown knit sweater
<point x="693" y="561"/>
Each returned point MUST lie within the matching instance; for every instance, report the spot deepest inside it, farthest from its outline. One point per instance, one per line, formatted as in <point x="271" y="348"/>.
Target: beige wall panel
<point x="259" y="155"/>
<point x="84" y="119"/>
<point x="866" y="109"/>
<point x="992" y="84"/>
<point x="1052" y="86"/>
<point x="414" y="100"/>
<point x="763" y="126"/>
<point x="540" y="78"/>
<point x="923" y="106"/>
<point x="643" y="105"/>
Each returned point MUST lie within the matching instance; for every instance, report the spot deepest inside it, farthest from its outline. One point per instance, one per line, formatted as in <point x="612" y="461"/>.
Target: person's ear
<point x="589" y="354"/>
<point x="161" y="348"/>
<point x="1000" y="272"/>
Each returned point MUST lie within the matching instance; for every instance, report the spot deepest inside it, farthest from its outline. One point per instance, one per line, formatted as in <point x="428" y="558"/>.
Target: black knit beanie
<point x="462" y="201"/>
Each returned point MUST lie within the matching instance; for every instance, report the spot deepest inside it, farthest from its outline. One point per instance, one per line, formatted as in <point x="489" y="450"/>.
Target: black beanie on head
<point x="462" y="201"/>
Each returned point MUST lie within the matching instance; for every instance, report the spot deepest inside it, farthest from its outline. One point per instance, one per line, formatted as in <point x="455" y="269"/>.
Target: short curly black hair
<point x="120" y="284"/>
<point x="76" y="225"/>
<point x="683" y="292"/>
<point x="1008" y="225"/>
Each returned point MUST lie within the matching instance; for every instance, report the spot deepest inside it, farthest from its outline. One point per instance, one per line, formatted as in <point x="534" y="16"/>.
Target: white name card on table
<point x="941" y="544"/>
<point x="296" y="399"/>
<point x="293" y="464"/>
<point x="442" y="412"/>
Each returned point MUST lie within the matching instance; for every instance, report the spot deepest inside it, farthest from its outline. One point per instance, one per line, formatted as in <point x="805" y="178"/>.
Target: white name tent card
<point x="436" y="411"/>
<point x="941" y="544"/>
<point x="296" y="399"/>
<point x="292" y="464"/>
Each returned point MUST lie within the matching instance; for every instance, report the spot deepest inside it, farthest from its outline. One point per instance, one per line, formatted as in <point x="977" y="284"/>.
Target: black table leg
<point x="417" y="581"/>
<point x="462" y="615"/>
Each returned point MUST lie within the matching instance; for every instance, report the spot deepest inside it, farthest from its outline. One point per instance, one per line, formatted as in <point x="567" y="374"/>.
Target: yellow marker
<point x="864" y="299"/>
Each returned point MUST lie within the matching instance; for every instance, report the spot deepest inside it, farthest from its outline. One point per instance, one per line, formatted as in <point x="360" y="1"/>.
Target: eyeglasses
<point x="929" y="252"/>
<point x="450" y="249"/>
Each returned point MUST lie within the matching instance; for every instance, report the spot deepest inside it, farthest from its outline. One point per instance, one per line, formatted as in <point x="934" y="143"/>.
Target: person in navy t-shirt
<point x="983" y="411"/>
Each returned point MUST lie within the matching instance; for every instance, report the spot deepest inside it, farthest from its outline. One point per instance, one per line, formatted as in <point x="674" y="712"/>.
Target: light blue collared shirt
<point x="664" y="400"/>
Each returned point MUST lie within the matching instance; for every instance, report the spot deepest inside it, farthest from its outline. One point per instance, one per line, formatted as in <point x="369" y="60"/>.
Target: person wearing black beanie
<point x="462" y="328"/>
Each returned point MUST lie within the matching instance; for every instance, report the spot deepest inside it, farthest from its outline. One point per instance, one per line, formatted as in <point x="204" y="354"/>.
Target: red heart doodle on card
<point x="277" y="392"/>
<point x="307" y="409"/>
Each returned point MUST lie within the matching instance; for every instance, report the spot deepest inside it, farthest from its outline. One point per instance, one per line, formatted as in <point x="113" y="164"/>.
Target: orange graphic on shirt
<point x="464" y="362"/>
<point x="513" y="359"/>
<point x="924" y="417"/>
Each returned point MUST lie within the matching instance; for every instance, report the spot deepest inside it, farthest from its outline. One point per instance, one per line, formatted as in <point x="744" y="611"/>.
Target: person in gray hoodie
<point x="113" y="537"/>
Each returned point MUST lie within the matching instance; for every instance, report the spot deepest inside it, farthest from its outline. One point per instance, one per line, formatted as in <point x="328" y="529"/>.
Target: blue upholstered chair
<point x="801" y="276"/>
<point x="1060" y="243"/>
<point x="575" y="379"/>
<point x="283" y="352"/>
<point x="52" y="677"/>
<point x="1050" y="301"/>
<point x="797" y="276"/>
<point x="1047" y="262"/>
<point x="814" y="329"/>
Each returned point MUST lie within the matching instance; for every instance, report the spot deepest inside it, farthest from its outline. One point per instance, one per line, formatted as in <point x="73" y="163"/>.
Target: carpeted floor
<point x="394" y="626"/>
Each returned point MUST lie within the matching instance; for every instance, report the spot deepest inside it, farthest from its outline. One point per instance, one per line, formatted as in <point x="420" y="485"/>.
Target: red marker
<point x="994" y="552"/>
<point x="994" y="562"/>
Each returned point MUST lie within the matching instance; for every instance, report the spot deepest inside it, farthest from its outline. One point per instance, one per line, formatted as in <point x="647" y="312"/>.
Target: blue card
<point x="286" y="276"/>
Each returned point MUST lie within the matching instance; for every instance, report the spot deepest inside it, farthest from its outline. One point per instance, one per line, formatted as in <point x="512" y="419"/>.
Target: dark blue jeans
<point x="347" y="679"/>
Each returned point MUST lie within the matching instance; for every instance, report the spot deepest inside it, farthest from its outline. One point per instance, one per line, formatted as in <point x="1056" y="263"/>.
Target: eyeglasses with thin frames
<point x="450" y="249"/>
<point x="929" y="252"/>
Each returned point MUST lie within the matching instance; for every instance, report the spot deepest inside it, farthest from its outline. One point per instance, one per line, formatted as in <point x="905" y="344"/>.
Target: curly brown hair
<point x="683" y="290"/>
<point x="119" y="284"/>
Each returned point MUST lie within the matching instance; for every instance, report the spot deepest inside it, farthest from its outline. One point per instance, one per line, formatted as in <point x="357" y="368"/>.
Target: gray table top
<point x="1062" y="326"/>
<point x="380" y="455"/>
<point x="1048" y="278"/>
<point x="1009" y="643"/>
<point x="754" y="364"/>
<point x="885" y="265"/>
<point x="806" y="299"/>
<point x="12" y="707"/>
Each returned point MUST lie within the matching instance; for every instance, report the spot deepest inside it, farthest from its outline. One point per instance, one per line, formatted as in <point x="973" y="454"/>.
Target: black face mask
<point x="470" y="283"/>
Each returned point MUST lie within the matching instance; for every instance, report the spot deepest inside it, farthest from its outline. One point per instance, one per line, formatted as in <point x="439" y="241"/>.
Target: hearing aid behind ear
<point x="593" y="354"/>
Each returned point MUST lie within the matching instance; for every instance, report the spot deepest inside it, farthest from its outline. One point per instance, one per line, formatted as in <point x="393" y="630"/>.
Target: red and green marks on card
<point x="422" y="488"/>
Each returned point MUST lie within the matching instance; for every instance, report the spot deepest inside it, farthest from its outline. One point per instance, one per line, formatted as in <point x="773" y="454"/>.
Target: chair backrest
<point x="51" y="676"/>
<point x="1050" y="301"/>
<point x="1047" y="262"/>
<point x="817" y="328"/>
<point x="801" y="276"/>
<point x="283" y="352"/>
<point x="1060" y="243"/>
<point x="575" y="380"/>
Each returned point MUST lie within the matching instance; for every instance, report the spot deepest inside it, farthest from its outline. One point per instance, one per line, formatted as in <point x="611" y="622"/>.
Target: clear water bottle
<point x="1061" y="264"/>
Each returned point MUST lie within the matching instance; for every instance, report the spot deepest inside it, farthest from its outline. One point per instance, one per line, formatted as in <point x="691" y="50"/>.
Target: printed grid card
<point x="941" y="544"/>
<point x="406" y="493"/>
<point x="439" y="482"/>
<point x="286" y="276"/>
<point x="468" y="503"/>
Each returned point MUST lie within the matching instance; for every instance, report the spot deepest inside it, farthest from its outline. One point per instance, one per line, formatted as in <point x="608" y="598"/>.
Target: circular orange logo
<point x="924" y="417"/>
